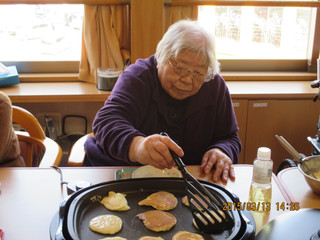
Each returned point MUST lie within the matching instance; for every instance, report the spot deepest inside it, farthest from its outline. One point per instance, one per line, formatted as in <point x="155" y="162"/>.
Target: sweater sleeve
<point x="116" y="123"/>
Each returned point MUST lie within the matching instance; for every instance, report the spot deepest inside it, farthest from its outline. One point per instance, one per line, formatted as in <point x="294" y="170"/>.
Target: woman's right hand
<point x="154" y="150"/>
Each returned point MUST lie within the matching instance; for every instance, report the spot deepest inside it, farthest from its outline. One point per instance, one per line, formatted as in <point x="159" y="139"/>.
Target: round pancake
<point x="106" y="224"/>
<point x="184" y="235"/>
<point x="115" y="202"/>
<point x="185" y="201"/>
<point x="150" y="238"/>
<point x="157" y="220"/>
<point x="160" y="200"/>
<point x="113" y="238"/>
<point x="211" y="219"/>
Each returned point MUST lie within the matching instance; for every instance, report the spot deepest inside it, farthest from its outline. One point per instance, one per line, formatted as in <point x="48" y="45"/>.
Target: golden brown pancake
<point x="106" y="224"/>
<point x="185" y="201"/>
<point x="211" y="220"/>
<point x="184" y="235"/>
<point x="157" y="220"/>
<point x="160" y="200"/>
<point x="115" y="202"/>
<point x="113" y="238"/>
<point x="150" y="238"/>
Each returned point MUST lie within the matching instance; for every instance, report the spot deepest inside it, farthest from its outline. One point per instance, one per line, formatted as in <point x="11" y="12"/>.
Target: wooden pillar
<point x="146" y="27"/>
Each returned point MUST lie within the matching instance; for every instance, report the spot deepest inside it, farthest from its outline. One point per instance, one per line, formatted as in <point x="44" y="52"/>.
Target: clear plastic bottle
<point x="261" y="188"/>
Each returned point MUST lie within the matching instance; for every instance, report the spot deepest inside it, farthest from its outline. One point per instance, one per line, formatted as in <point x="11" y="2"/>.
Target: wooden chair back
<point x="36" y="149"/>
<point x="77" y="152"/>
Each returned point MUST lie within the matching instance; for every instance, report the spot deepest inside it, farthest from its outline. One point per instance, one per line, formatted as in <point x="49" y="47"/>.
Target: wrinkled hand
<point x="217" y="161"/>
<point x="154" y="150"/>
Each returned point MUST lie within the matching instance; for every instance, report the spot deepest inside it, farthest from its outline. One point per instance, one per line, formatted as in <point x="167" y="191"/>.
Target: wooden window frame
<point x="138" y="47"/>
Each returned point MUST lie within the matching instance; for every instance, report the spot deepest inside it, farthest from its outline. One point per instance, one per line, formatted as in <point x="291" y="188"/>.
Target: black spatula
<point x="207" y="210"/>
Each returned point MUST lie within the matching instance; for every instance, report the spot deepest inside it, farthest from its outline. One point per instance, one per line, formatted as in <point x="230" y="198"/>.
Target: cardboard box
<point x="10" y="78"/>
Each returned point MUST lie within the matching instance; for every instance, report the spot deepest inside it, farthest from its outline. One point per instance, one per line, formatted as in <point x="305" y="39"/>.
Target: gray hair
<point x="188" y="35"/>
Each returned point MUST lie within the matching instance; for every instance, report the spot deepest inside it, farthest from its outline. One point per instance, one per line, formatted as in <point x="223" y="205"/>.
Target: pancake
<point x="157" y="220"/>
<point x="115" y="202"/>
<point x="211" y="220"/>
<point x="160" y="200"/>
<point x="113" y="238"/>
<point x="185" y="201"/>
<point x="106" y="224"/>
<point x="184" y="235"/>
<point x="150" y="238"/>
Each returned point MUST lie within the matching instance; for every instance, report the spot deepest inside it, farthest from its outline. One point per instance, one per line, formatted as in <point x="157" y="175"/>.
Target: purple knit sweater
<point x="138" y="106"/>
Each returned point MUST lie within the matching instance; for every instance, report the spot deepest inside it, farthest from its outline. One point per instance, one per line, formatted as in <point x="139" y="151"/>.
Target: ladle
<point x="294" y="153"/>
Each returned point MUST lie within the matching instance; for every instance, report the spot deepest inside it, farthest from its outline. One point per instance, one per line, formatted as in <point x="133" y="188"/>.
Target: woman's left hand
<point x="217" y="161"/>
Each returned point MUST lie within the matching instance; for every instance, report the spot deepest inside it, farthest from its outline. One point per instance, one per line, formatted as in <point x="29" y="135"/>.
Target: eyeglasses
<point x="183" y="72"/>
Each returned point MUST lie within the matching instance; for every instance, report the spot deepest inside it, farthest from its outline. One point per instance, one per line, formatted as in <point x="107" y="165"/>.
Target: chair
<point x="34" y="140"/>
<point x="77" y="152"/>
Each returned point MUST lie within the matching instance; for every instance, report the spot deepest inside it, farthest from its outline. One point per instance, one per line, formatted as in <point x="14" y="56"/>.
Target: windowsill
<point x="227" y="75"/>
<point x="269" y="76"/>
<point x="54" y="92"/>
<point x="241" y="85"/>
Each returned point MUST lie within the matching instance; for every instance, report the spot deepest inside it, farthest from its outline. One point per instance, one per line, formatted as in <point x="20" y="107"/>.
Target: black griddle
<point x="84" y="205"/>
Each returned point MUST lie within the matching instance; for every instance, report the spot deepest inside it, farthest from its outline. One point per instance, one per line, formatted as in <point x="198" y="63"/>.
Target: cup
<point x="107" y="78"/>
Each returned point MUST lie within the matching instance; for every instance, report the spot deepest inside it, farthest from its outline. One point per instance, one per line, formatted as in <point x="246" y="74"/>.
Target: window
<point x="42" y="33"/>
<point x="258" y="32"/>
<point x="46" y="38"/>
<point x="261" y="38"/>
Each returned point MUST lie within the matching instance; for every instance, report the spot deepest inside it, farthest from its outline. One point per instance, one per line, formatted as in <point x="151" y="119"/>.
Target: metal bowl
<point x="313" y="163"/>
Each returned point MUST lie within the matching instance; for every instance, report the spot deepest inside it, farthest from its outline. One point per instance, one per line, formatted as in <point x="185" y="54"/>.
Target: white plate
<point x="150" y="171"/>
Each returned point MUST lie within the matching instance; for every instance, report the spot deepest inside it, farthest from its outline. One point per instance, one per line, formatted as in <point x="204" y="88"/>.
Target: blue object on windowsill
<point x="10" y="78"/>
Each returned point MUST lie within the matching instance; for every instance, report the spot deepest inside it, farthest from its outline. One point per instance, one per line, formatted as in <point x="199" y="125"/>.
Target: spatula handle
<point x="175" y="157"/>
<point x="177" y="160"/>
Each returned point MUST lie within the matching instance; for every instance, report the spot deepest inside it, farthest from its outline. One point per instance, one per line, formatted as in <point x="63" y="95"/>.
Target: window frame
<point x="308" y="65"/>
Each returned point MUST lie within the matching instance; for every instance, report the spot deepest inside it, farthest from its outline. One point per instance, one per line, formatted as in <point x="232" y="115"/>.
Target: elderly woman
<point x="9" y="144"/>
<point x="178" y="91"/>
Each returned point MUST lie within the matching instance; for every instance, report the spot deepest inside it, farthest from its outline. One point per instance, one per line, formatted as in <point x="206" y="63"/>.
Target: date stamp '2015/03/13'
<point x="262" y="206"/>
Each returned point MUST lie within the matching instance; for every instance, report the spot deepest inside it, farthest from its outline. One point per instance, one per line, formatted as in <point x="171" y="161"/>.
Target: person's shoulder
<point x="217" y="82"/>
<point x="217" y="79"/>
<point x="139" y="79"/>
<point x="214" y="90"/>
<point x="142" y="66"/>
<point x="141" y="73"/>
<point x="4" y="98"/>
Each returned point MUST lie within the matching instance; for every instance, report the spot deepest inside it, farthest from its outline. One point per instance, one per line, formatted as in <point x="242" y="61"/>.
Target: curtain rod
<point x="266" y="3"/>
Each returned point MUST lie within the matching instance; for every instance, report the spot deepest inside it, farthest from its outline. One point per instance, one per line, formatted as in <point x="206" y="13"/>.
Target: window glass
<point x="258" y="32"/>
<point x="40" y="32"/>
